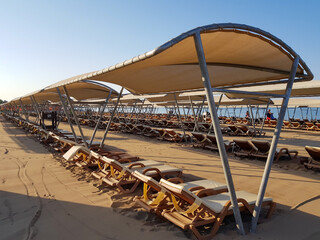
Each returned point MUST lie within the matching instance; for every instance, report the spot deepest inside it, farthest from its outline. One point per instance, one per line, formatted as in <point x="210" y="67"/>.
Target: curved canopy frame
<point x="236" y="54"/>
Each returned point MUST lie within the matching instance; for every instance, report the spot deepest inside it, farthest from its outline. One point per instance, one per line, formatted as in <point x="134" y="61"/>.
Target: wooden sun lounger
<point x="214" y="146"/>
<point x="152" y="133"/>
<point x="45" y="137"/>
<point x="201" y="140"/>
<point x="194" y="210"/>
<point x="264" y="147"/>
<point x="61" y="144"/>
<point x="296" y="125"/>
<point x="245" y="148"/>
<point x="314" y="161"/>
<point x="89" y="157"/>
<point x="272" y="123"/>
<point x="286" y="124"/>
<point x="310" y="126"/>
<point x="156" y="198"/>
<point x="176" y="137"/>
<point x="119" y="175"/>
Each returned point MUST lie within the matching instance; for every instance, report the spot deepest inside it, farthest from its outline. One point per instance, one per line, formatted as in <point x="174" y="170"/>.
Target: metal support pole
<point x="140" y="111"/>
<point x="111" y="118"/>
<point x="265" y="115"/>
<point x="240" y="112"/>
<point x="253" y="120"/>
<point x="294" y="112"/>
<point x="34" y="102"/>
<point x="179" y="116"/>
<point x="201" y="108"/>
<point x="65" y="109"/>
<point x="100" y="117"/>
<point x="217" y="131"/>
<point x="184" y="113"/>
<point x="75" y="116"/>
<point x="310" y="112"/>
<point x="273" y="146"/>
<point x="24" y="111"/>
<point x="194" y="115"/>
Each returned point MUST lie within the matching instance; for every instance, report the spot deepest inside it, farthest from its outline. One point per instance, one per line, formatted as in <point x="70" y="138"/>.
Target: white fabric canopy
<point x="301" y="89"/>
<point x="235" y="54"/>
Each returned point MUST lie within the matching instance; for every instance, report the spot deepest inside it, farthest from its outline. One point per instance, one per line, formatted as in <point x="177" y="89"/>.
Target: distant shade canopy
<point x="300" y="89"/>
<point x="235" y="54"/>
<point x="80" y="90"/>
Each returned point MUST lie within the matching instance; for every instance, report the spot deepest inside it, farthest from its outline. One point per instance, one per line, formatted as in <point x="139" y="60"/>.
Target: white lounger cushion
<point x="217" y="202"/>
<point x="162" y="168"/>
<point x="210" y="184"/>
<point x="185" y="186"/>
<point x="72" y="152"/>
<point x="144" y="162"/>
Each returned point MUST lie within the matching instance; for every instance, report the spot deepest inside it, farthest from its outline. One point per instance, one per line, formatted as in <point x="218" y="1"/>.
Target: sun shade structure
<point x="232" y="55"/>
<point x="235" y="54"/>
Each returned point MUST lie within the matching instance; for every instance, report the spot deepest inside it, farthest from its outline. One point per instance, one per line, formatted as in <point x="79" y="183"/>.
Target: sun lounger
<point x="214" y="146"/>
<point x="286" y="124"/>
<point x="173" y="136"/>
<point x="45" y="137"/>
<point x="310" y="126"/>
<point x="314" y="161"/>
<point x="152" y="133"/>
<point x="155" y="197"/>
<point x="85" y="157"/>
<point x="273" y="123"/>
<point x="206" y="207"/>
<point x="201" y="140"/>
<point x="245" y="148"/>
<point x="119" y="175"/>
<point x="61" y="144"/>
<point x="264" y="147"/>
<point x="296" y="125"/>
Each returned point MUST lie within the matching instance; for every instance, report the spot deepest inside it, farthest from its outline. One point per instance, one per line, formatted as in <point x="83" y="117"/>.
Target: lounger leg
<point x="271" y="209"/>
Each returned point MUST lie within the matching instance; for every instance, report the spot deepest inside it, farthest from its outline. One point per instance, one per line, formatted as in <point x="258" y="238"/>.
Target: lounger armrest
<point x="152" y="169"/>
<point x="209" y="192"/>
<point x="246" y="204"/>
<point x="175" y="180"/>
<point x="136" y="165"/>
<point x="196" y="188"/>
<point x="124" y="160"/>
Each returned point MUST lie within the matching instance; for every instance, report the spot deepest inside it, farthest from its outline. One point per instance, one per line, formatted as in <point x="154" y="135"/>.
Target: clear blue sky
<point x="42" y="42"/>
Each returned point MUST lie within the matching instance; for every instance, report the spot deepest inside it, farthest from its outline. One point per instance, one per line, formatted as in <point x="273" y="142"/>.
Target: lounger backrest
<point x="314" y="152"/>
<point x="243" y="128"/>
<point x="263" y="146"/>
<point x="245" y="145"/>
<point x="232" y="128"/>
<point x="179" y="190"/>
<point x="198" y="136"/>
<point x="212" y="138"/>
<point x="171" y="132"/>
<point x="148" y="180"/>
<point x="73" y="151"/>
<point x="107" y="160"/>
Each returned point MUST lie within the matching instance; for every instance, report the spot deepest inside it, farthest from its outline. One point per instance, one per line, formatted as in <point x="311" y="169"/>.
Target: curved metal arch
<point x="246" y="29"/>
<point x="100" y="84"/>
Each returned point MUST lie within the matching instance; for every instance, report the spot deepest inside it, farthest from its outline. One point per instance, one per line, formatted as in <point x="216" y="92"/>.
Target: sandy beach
<point x="43" y="197"/>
